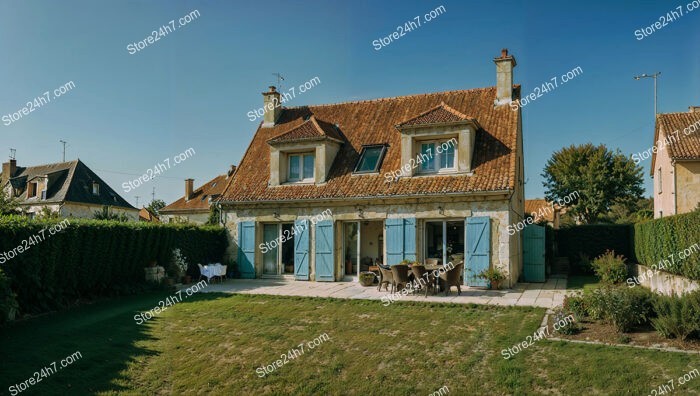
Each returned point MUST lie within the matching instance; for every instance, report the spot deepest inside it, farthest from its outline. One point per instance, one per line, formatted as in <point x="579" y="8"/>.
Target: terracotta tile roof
<point x="533" y="206"/>
<point x="147" y="215"/>
<point x="200" y="197"/>
<point x="682" y="133"/>
<point x="374" y="122"/>
<point x="439" y="114"/>
<point x="310" y="129"/>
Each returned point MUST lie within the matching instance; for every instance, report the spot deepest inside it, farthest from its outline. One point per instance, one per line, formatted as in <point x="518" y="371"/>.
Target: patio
<point x="545" y="295"/>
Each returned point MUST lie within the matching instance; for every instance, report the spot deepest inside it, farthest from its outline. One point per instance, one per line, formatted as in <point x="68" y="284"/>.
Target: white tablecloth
<point x="210" y="271"/>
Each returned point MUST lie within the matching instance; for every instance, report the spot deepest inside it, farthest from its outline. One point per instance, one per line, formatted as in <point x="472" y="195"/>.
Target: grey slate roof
<point x="68" y="182"/>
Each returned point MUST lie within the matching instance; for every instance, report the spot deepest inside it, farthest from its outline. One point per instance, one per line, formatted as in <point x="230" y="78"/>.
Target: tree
<point x="155" y="206"/>
<point x="214" y="215"/>
<point x="8" y="205"/>
<point x="601" y="177"/>
<point x="107" y="214"/>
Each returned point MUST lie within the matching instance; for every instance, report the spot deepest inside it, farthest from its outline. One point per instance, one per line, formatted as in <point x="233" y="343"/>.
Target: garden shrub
<point x="678" y="317"/>
<point x="91" y="258"/>
<point x="658" y="240"/>
<point x="570" y="327"/>
<point x="576" y="304"/>
<point x="610" y="269"/>
<point x="623" y="307"/>
<point x="593" y="240"/>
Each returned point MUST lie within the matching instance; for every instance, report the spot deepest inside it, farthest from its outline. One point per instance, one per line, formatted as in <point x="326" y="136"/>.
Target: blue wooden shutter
<point x="478" y="246"/>
<point x="533" y="253"/>
<point x="400" y="240"/>
<point x="324" y="251"/>
<point x="246" y="249"/>
<point x="409" y="239"/>
<point x="301" y="249"/>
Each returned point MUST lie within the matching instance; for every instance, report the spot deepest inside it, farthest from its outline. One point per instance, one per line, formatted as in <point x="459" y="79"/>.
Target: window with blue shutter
<point x="246" y="249"/>
<point x="301" y="250"/>
<point x="478" y="249"/>
<point x="324" y="257"/>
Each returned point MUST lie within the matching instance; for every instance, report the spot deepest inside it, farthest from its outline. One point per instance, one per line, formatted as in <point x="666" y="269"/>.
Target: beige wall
<point x="504" y="255"/>
<point x="86" y="211"/>
<point x="664" y="198"/>
<point x="191" y="217"/>
<point x="687" y="186"/>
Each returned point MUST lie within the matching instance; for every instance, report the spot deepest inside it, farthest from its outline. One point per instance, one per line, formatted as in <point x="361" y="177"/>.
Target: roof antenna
<point x="64" y="149"/>
<point x="12" y="153"/>
<point x="279" y="79"/>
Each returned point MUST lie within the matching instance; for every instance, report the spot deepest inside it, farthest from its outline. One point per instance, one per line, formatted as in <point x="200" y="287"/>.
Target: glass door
<point x="270" y="234"/>
<point x="351" y="248"/>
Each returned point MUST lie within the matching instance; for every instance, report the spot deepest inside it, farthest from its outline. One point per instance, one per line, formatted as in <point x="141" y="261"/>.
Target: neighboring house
<point x="69" y="188"/>
<point x="148" y="216"/>
<point x="543" y="210"/>
<point x="194" y="206"/>
<point x="675" y="164"/>
<point x="319" y="193"/>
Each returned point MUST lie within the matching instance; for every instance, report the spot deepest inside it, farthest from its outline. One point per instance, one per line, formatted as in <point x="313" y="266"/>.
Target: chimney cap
<point x="273" y="88"/>
<point x="694" y="109"/>
<point x="505" y="57"/>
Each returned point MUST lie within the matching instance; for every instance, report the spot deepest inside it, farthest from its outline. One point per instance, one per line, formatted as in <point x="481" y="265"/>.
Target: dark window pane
<point x="369" y="160"/>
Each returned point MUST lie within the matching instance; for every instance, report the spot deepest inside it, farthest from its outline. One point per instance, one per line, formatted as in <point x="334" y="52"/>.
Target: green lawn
<point x="582" y="282"/>
<point x="213" y="344"/>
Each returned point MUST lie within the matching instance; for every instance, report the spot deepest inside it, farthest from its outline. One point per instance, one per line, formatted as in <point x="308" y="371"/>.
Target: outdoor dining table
<point x="212" y="270"/>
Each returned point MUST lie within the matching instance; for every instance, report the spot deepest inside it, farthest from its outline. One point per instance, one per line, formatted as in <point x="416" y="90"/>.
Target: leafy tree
<point x="156" y="205"/>
<point x="641" y="210"/>
<point x="8" y="205"/>
<point x="214" y="215"/>
<point x="601" y="177"/>
<point x="107" y="214"/>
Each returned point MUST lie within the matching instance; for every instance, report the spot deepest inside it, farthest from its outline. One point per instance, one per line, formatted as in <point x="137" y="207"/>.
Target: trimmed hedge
<point x="593" y="240"/>
<point x="663" y="239"/>
<point x="91" y="258"/>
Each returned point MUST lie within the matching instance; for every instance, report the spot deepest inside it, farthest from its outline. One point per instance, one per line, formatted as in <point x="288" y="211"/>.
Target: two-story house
<point x="675" y="163"/>
<point x="324" y="191"/>
<point x="70" y="189"/>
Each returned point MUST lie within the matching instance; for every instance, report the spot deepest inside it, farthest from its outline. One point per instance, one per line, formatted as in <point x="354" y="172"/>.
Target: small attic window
<point x="370" y="158"/>
<point x="204" y="197"/>
<point x="95" y="188"/>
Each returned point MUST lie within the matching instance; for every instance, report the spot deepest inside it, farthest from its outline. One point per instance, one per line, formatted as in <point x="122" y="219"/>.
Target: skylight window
<point x="370" y="158"/>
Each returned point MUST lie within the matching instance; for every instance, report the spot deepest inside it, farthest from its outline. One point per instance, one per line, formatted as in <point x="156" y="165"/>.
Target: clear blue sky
<point x="193" y="87"/>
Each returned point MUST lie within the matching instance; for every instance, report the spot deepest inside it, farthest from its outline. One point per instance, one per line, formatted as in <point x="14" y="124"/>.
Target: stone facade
<point x="687" y="186"/>
<point x="505" y="249"/>
<point x="663" y="282"/>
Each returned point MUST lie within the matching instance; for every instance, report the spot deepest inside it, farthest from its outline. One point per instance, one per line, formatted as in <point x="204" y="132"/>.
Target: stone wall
<point x="662" y="282"/>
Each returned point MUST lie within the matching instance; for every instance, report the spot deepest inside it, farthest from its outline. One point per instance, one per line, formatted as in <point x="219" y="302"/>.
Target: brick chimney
<point x="272" y="107"/>
<point x="8" y="170"/>
<point x="504" y="78"/>
<point x="694" y="109"/>
<point x="189" y="184"/>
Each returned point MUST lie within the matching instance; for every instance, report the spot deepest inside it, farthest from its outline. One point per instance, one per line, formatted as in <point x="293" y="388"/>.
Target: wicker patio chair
<point x="385" y="277"/>
<point x="452" y="278"/>
<point x="400" y="274"/>
<point x="423" y="278"/>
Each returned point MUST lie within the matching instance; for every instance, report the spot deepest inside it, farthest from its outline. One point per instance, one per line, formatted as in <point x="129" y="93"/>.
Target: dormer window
<point x="370" y="159"/>
<point x="31" y="190"/>
<point x="95" y="188"/>
<point x="301" y="167"/>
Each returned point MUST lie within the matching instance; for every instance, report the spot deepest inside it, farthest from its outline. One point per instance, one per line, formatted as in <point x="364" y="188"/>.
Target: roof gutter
<point x="375" y="197"/>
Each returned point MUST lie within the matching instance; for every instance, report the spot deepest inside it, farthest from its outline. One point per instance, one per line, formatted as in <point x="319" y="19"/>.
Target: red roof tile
<point x="310" y="129"/>
<point x="439" y="114"/>
<point x="374" y="122"/>
<point x="200" y="197"/>
<point x="681" y="135"/>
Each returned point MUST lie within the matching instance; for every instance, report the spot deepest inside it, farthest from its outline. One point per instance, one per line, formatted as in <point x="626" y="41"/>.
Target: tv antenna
<point x="153" y="195"/>
<point x="279" y="80"/>
<point x="137" y="200"/>
<point x="64" y="149"/>
<point x="12" y="153"/>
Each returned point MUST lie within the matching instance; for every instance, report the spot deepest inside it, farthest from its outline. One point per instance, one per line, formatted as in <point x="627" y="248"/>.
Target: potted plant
<point x="494" y="276"/>
<point x="367" y="278"/>
<point x="180" y="264"/>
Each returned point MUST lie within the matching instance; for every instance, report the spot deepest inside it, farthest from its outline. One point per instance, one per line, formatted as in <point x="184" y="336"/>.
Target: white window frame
<point x="95" y="188"/>
<point x="302" y="177"/>
<point x="437" y="157"/>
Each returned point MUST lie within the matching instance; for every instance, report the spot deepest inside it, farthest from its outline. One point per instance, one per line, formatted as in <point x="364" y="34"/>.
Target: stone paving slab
<point x="546" y="295"/>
